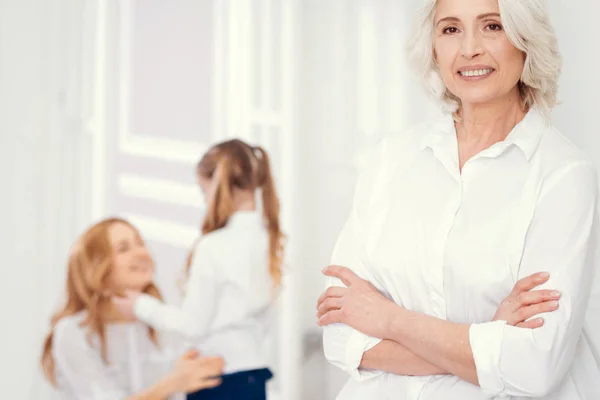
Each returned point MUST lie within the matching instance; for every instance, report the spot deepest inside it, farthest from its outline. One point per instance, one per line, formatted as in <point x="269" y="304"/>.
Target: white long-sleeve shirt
<point x="453" y="245"/>
<point x="228" y="296"/>
<point x="134" y="363"/>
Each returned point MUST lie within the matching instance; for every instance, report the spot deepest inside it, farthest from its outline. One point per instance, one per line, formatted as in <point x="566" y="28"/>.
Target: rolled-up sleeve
<point x="563" y="240"/>
<point x="344" y="346"/>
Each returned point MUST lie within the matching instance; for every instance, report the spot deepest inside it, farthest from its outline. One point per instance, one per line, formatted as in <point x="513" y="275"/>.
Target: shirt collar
<point x="442" y="128"/>
<point x="525" y="135"/>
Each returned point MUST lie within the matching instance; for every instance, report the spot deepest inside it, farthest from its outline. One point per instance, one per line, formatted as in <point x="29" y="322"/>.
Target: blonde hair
<point x="527" y="26"/>
<point x="90" y="263"/>
<point x="236" y="164"/>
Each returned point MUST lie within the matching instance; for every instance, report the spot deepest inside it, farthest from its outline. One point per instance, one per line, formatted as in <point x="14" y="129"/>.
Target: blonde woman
<point x="93" y="352"/>
<point x="234" y="271"/>
<point x="464" y="271"/>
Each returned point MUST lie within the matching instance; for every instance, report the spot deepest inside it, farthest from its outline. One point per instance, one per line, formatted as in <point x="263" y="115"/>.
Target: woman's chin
<point x="482" y="96"/>
<point x="477" y="99"/>
<point x="141" y="285"/>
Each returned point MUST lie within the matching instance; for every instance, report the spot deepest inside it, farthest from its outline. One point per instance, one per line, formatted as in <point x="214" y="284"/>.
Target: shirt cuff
<point x="144" y="307"/>
<point x="486" y="344"/>
<point x="358" y="344"/>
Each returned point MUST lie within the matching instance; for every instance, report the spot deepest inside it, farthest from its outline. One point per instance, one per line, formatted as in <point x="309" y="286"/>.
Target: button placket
<point x="436" y="282"/>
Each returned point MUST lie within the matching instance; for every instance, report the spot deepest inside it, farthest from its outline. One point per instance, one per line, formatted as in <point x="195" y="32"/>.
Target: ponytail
<point x="220" y="205"/>
<point x="271" y="214"/>
<point x="235" y="164"/>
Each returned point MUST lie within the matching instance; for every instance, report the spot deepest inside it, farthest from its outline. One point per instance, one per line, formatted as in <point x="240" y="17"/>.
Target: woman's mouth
<point x="476" y="73"/>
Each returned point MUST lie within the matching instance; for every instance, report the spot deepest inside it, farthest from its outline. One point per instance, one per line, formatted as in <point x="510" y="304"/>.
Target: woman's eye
<point x="494" y="27"/>
<point x="122" y="248"/>
<point x="450" y="30"/>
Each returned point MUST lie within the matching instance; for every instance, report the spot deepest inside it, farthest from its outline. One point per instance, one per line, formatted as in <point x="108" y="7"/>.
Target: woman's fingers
<point x="346" y="275"/>
<point x="191" y="354"/>
<point x="523" y="303"/>
<point x="529" y="282"/>
<point x="524" y="313"/>
<point x="531" y="324"/>
<point x="332" y="291"/>
<point x="209" y="366"/>
<point x="329" y="304"/>
<point x="537" y="296"/>
<point x="204" y="383"/>
<point x="331" y="317"/>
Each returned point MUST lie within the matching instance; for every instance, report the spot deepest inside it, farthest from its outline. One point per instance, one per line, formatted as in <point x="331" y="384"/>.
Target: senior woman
<point x="464" y="269"/>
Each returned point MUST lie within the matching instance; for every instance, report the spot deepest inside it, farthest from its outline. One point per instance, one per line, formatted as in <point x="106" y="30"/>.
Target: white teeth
<point x="476" y="72"/>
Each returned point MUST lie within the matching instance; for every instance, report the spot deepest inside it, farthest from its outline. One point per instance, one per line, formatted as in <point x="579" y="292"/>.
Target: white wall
<point x="580" y="82"/>
<point x="577" y="116"/>
<point x="41" y="143"/>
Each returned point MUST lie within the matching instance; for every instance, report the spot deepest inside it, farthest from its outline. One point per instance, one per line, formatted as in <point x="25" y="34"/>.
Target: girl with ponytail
<point x="232" y="272"/>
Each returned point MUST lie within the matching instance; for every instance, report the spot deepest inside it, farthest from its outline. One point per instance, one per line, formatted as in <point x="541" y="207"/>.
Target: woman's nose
<point x="141" y="252"/>
<point x="471" y="45"/>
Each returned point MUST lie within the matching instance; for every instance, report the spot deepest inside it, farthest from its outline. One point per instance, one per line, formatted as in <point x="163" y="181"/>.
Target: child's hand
<point x="125" y="304"/>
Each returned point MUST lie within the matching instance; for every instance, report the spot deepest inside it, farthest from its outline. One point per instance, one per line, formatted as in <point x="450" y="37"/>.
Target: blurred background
<point x="106" y="106"/>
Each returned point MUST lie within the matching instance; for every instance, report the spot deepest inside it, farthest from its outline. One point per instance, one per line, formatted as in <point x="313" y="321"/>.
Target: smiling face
<point x="476" y="60"/>
<point x="132" y="267"/>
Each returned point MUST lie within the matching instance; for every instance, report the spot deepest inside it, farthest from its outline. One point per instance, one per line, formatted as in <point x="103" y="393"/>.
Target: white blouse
<point x="453" y="245"/>
<point x="226" y="309"/>
<point x="134" y="362"/>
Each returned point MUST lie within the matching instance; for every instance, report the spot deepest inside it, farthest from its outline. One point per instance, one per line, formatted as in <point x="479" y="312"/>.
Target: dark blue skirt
<point x="243" y="385"/>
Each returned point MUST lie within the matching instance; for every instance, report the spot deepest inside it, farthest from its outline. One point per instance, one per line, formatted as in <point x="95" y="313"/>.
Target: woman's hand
<point x="193" y="372"/>
<point x="359" y="305"/>
<point x="524" y="303"/>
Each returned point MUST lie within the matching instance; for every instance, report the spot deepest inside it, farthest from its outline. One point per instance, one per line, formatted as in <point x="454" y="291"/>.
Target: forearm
<point x="170" y="318"/>
<point x="159" y="391"/>
<point x="442" y="343"/>
<point x="392" y="357"/>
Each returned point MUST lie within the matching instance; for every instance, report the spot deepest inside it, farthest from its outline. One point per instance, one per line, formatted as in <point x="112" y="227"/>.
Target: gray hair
<point x="527" y="26"/>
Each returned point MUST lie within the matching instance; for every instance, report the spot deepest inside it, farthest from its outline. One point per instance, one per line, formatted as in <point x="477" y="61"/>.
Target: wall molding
<point x="177" y="151"/>
<point x="162" y="190"/>
<point x="163" y="230"/>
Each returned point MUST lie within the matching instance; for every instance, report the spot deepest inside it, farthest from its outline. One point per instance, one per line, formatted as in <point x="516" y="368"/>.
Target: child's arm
<point x="193" y="318"/>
